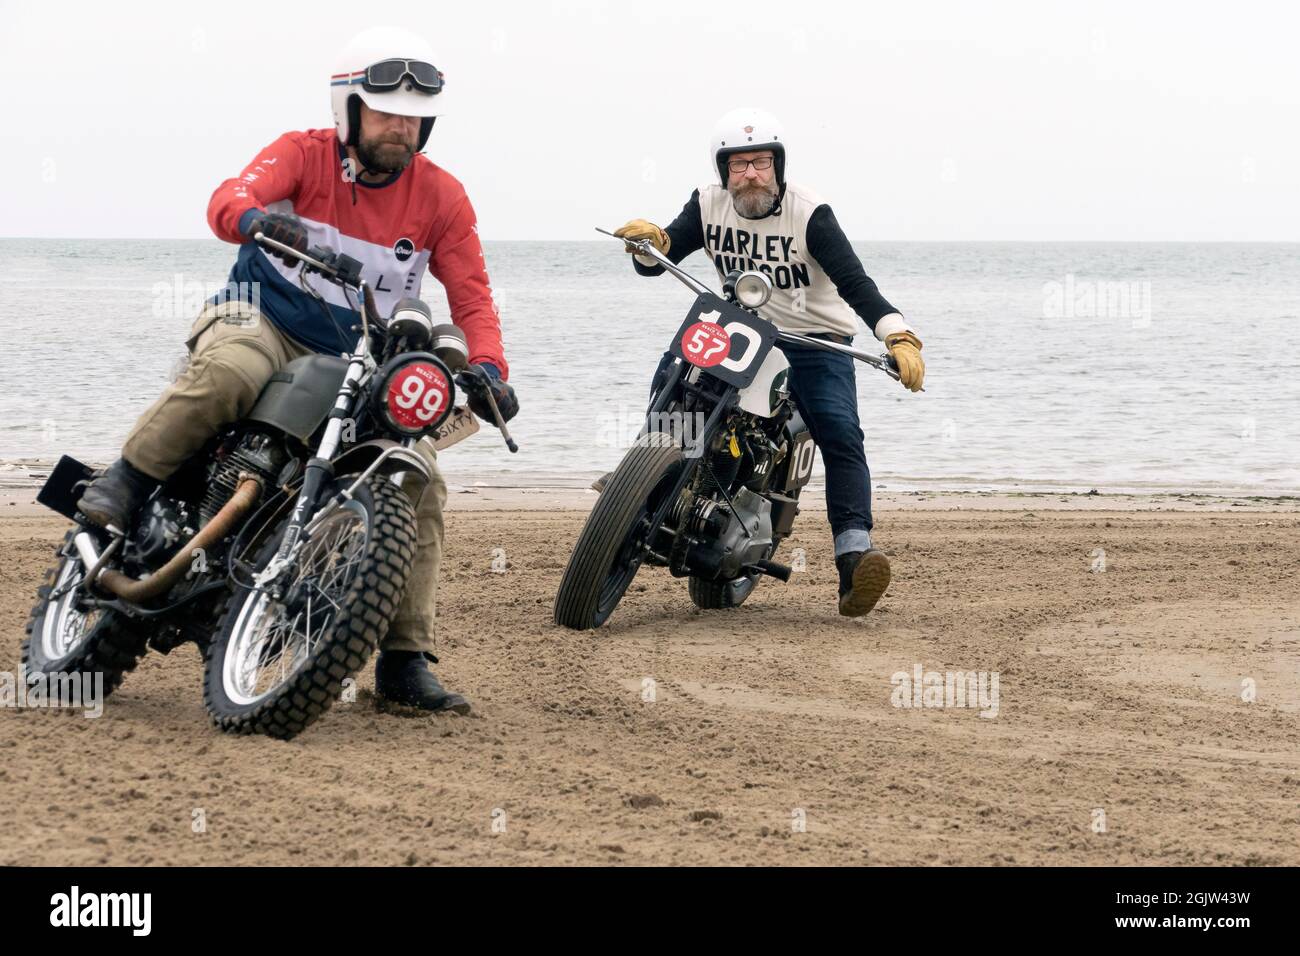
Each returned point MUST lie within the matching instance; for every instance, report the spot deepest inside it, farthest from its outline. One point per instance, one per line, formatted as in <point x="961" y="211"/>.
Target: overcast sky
<point x="999" y="120"/>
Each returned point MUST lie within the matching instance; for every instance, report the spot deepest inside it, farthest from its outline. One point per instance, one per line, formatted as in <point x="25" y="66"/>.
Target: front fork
<point x="412" y="480"/>
<point x="694" y="450"/>
<point x="319" y="470"/>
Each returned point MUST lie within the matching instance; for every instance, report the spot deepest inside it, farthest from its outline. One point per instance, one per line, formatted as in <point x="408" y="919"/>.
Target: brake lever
<point x="633" y="245"/>
<point x="476" y="381"/>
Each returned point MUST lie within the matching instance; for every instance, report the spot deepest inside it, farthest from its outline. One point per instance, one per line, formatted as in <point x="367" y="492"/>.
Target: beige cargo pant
<point x="234" y="351"/>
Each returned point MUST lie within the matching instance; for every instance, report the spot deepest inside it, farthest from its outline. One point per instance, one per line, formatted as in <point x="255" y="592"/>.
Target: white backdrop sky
<point x="1002" y="120"/>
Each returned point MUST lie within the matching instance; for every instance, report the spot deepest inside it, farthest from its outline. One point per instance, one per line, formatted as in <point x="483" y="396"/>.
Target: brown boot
<point x="864" y="576"/>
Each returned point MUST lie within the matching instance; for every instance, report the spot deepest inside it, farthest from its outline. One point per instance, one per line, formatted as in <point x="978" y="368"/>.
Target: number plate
<point x="724" y="340"/>
<point x="460" y="424"/>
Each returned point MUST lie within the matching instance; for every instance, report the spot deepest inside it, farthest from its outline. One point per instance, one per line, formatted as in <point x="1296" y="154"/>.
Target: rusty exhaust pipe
<point x="135" y="591"/>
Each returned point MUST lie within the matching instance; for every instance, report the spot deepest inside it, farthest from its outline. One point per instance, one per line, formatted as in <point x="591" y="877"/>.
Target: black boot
<point x="864" y="576"/>
<point x="403" y="677"/>
<point x="114" y="497"/>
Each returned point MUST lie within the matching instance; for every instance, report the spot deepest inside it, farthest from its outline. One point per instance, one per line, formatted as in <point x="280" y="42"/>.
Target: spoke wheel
<point x="272" y="639"/>
<point x="65" y="636"/>
<point x="280" y="656"/>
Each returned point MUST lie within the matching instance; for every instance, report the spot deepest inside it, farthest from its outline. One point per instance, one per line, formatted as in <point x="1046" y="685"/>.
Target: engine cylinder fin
<point x="256" y="454"/>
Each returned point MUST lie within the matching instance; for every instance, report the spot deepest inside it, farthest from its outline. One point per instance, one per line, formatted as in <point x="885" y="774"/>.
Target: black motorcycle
<point x="711" y="487"/>
<point x="282" y="548"/>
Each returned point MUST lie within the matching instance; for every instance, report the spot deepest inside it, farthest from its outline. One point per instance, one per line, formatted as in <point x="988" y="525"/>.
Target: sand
<point x="764" y="735"/>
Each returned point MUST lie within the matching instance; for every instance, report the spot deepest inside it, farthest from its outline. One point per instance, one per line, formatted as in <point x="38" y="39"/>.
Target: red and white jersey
<point x="418" y="219"/>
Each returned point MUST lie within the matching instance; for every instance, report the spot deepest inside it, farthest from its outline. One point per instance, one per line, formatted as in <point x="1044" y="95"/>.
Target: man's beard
<point x="384" y="156"/>
<point x="756" y="201"/>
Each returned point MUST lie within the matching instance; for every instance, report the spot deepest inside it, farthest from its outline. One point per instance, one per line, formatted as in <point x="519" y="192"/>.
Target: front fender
<point x="397" y="460"/>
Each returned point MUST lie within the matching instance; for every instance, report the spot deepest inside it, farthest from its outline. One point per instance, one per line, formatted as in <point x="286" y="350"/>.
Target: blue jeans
<point x="824" y="387"/>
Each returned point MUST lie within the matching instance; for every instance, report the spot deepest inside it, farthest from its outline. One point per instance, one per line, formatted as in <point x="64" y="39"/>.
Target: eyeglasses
<point x="740" y="165"/>
<point x="388" y="75"/>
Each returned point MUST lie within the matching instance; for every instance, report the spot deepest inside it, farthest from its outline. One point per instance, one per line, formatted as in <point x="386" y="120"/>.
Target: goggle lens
<point x="388" y="75"/>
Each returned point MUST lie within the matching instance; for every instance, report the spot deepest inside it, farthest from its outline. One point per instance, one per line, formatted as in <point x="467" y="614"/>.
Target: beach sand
<point x="1121" y="734"/>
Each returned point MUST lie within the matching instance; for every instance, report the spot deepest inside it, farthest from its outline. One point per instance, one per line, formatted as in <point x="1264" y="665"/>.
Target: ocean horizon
<point x="1065" y="365"/>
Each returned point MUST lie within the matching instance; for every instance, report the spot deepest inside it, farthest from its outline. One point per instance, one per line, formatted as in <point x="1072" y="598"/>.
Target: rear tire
<point x="351" y="617"/>
<point x="63" y="640"/>
<point x="605" y="558"/>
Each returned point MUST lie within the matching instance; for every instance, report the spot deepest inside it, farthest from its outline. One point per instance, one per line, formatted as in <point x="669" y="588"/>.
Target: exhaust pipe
<point x="773" y="569"/>
<point x="89" y="556"/>
<point x="138" y="590"/>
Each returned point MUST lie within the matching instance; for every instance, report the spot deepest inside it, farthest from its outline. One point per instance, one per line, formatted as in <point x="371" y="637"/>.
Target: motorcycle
<point x="711" y="486"/>
<point x="282" y="548"/>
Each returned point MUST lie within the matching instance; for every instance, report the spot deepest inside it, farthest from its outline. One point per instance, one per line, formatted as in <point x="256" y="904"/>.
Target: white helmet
<point x="747" y="129"/>
<point x="388" y="69"/>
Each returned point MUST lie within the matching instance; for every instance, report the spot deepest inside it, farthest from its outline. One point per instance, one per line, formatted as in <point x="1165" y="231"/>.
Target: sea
<point x="1117" y="367"/>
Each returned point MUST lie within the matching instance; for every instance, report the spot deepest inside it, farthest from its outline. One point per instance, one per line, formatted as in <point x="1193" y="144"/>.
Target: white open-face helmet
<point x="390" y="70"/>
<point x="743" y="130"/>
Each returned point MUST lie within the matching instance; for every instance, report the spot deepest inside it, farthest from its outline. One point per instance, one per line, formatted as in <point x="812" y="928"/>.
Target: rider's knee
<point x="432" y="502"/>
<point x="235" y="373"/>
<point x="841" y="439"/>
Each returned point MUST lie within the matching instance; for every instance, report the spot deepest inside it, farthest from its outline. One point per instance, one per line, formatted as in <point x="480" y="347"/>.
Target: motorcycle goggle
<point x="388" y="75"/>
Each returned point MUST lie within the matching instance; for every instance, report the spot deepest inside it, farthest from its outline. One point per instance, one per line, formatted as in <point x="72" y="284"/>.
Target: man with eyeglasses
<point x="753" y="219"/>
<point x="365" y="190"/>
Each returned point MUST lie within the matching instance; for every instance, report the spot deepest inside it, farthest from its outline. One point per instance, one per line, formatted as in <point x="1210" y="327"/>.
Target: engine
<point x="729" y="538"/>
<point x="256" y="453"/>
<point x="165" y="525"/>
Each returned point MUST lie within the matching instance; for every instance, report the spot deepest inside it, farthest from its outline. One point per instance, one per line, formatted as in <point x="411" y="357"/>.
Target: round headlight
<point x="753" y="289"/>
<point x="414" y="393"/>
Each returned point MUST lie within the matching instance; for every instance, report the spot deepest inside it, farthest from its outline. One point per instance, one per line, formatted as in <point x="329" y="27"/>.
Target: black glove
<point x="489" y="377"/>
<point x="282" y="228"/>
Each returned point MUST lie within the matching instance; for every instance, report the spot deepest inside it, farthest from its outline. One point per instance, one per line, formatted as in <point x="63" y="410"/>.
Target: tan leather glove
<point x="905" y="348"/>
<point x="639" y="229"/>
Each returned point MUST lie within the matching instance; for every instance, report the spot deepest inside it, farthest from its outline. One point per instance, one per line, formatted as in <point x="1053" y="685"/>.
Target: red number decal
<point x="705" y="344"/>
<point x="417" y="395"/>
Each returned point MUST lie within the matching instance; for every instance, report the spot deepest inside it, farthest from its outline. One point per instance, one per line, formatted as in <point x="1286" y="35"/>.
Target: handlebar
<point x="885" y="363"/>
<point x="346" y="271"/>
<point x="645" y="247"/>
<point x="324" y="268"/>
<point x="337" y="268"/>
